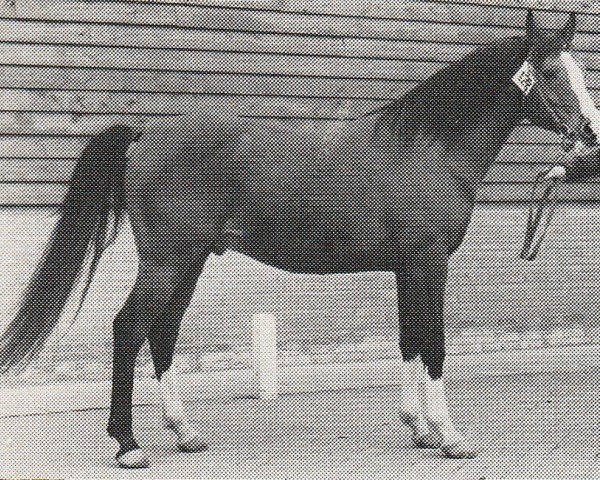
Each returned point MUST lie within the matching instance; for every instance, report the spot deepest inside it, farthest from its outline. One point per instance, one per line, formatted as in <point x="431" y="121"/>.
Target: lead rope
<point x="545" y="207"/>
<point x="546" y="204"/>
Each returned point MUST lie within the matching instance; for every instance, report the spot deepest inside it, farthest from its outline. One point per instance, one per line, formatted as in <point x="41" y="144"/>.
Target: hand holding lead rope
<point x="558" y="172"/>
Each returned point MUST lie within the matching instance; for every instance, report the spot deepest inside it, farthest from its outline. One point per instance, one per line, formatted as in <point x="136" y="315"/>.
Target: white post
<point x="264" y="354"/>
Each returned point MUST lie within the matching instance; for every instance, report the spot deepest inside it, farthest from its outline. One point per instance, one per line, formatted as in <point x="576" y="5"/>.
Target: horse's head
<point x="555" y="94"/>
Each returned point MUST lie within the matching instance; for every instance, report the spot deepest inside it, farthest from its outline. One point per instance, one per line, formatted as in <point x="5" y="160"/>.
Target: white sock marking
<point x="413" y="376"/>
<point x="436" y="411"/>
<point x="169" y="391"/>
<point x="173" y="408"/>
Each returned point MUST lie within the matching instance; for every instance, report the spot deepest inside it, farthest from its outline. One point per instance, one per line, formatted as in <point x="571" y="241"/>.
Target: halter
<point x="561" y="126"/>
<point x="544" y="207"/>
<point x="525" y="79"/>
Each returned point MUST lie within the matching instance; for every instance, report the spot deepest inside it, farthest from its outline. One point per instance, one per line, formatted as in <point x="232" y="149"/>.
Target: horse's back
<point x="205" y="164"/>
<point x="182" y="140"/>
<point x="258" y="153"/>
<point x="265" y="163"/>
<point x="196" y="139"/>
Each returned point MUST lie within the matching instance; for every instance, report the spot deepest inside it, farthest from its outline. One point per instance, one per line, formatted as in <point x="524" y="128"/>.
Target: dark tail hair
<point x="96" y="190"/>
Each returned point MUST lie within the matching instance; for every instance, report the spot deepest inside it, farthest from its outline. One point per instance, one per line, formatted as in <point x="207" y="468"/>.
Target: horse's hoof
<point x="428" y="440"/>
<point x="459" y="450"/>
<point x="192" y="445"/>
<point x="133" y="459"/>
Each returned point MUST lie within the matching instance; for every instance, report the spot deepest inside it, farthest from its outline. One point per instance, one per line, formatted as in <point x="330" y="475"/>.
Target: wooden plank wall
<point x="68" y="68"/>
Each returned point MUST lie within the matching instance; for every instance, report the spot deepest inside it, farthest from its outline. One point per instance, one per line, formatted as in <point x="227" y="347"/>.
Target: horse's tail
<point x="82" y="232"/>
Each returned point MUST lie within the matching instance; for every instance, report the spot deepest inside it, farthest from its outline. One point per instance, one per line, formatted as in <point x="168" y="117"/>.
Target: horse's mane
<point x="451" y="99"/>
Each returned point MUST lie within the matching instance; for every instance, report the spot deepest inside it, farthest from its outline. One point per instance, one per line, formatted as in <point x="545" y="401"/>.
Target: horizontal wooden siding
<point x="68" y="68"/>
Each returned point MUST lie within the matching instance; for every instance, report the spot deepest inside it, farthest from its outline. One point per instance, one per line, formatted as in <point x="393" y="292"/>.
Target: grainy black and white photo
<point x="299" y="239"/>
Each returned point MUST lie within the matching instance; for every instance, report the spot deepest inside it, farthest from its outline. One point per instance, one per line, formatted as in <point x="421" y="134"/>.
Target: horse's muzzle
<point x="583" y="164"/>
<point x="584" y="137"/>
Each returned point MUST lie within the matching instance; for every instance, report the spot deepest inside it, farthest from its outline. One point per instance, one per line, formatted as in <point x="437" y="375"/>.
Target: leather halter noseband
<point x="561" y="126"/>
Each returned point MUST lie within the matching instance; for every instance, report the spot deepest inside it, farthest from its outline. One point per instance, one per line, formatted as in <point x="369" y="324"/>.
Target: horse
<point x="393" y="191"/>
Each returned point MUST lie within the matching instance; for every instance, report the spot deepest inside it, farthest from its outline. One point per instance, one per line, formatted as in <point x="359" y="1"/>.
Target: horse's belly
<point x="319" y="252"/>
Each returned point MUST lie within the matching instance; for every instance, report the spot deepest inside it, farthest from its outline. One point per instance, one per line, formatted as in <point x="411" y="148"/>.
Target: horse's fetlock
<point x="410" y="419"/>
<point x="174" y="423"/>
<point x="122" y="434"/>
<point x="433" y="358"/>
<point x="436" y="424"/>
<point x="445" y="430"/>
<point x="415" y="422"/>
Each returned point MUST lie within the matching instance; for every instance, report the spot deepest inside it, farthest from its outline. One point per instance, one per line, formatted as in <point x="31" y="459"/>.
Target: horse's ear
<point x="568" y="31"/>
<point x="530" y="28"/>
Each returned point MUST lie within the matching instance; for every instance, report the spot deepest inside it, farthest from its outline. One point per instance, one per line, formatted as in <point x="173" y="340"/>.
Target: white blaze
<point x="577" y="80"/>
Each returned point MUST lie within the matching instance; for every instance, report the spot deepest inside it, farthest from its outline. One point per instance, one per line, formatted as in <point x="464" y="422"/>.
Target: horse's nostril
<point x="589" y="136"/>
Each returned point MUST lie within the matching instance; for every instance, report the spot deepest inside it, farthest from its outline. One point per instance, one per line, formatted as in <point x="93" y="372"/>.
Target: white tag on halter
<point x="524" y="77"/>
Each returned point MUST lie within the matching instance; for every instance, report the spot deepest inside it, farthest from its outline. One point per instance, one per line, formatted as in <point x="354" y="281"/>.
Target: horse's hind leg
<point x="154" y="308"/>
<point x="129" y="335"/>
<point x="162" y="337"/>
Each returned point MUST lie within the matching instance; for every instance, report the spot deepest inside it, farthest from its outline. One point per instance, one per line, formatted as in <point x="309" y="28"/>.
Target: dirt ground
<point x="534" y="419"/>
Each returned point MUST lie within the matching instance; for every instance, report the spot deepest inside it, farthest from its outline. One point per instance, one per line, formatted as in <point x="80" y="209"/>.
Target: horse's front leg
<point x="412" y="376"/>
<point x="422" y="342"/>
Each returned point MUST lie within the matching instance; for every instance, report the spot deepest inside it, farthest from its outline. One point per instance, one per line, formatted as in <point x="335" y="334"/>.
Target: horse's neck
<point x="463" y="114"/>
<point x="471" y="153"/>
